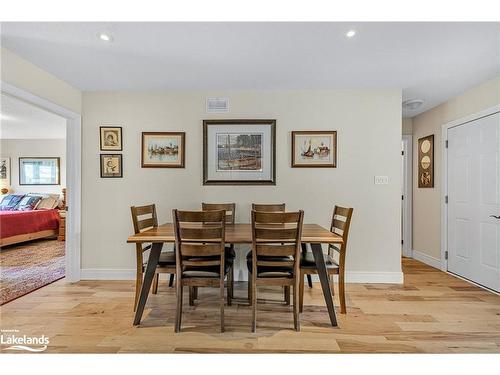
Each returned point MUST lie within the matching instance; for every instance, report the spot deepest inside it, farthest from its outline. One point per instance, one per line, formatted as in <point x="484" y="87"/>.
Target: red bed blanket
<point x="13" y="223"/>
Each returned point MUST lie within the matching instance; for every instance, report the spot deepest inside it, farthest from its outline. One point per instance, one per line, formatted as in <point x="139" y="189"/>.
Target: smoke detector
<point x="412" y="104"/>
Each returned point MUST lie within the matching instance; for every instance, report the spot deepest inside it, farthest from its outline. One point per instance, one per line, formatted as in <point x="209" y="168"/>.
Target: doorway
<point x="472" y="193"/>
<point x="406" y="196"/>
<point x="73" y="175"/>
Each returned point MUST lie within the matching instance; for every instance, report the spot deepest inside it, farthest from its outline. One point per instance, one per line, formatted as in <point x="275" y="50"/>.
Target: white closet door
<point x="473" y="198"/>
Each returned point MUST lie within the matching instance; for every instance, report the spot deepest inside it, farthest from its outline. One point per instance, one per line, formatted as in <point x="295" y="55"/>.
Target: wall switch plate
<point x="381" y="180"/>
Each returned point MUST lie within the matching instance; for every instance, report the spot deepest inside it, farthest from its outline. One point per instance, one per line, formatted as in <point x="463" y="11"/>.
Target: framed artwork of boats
<point x="314" y="149"/>
<point x="163" y="150"/>
<point x="239" y="152"/>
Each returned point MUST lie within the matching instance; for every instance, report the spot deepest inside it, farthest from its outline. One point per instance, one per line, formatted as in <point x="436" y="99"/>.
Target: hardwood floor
<point x="432" y="312"/>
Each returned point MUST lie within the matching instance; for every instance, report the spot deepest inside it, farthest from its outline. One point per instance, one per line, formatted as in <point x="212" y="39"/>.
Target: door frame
<point x="407" y="192"/>
<point x="73" y="174"/>
<point x="444" y="178"/>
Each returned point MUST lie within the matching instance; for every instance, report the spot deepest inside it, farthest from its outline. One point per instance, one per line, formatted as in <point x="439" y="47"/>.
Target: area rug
<point x="29" y="266"/>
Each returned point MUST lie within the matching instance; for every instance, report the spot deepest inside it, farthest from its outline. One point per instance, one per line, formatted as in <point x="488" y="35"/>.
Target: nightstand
<point x="62" y="226"/>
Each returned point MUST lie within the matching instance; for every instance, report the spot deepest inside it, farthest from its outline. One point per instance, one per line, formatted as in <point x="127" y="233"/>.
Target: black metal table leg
<point x="154" y="256"/>
<point x="323" y="278"/>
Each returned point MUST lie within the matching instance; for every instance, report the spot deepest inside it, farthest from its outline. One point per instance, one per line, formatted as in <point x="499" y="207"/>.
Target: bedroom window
<point x="39" y="171"/>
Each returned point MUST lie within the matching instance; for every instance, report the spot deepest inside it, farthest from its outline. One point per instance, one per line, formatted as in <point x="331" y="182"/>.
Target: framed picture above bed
<point x="39" y="171"/>
<point x="239" y="152"/>
<point x="111" y="138"/>
<point x="5" y="173"/>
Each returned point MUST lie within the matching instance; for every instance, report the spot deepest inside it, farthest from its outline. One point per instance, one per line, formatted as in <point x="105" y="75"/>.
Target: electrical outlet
<point x="381" y="180"/>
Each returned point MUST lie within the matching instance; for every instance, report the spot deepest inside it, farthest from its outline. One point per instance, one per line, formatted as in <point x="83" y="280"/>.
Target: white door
<point x="473" y="200"/>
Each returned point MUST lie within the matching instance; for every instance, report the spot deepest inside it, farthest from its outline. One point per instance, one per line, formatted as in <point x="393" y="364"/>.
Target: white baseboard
<point x="107" y="274"/>
<point x="427" y="259"/>
<point x="351" y="277"/>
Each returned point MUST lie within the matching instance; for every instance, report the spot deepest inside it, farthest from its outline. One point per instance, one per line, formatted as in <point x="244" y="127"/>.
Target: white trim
<point x="351" y="277"/>
<point x="73" y="174"/>
<point x="444" y="173"/>
<point x="407" y="192"/>
<point x="107" y="274"/>
<point x="427" y="259"/>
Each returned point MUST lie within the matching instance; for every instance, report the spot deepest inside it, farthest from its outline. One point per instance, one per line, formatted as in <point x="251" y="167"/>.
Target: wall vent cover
<point x="217" y="105"/>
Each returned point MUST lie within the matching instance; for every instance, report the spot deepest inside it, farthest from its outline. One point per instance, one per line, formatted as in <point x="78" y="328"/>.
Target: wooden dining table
<point x="312" y="234"/>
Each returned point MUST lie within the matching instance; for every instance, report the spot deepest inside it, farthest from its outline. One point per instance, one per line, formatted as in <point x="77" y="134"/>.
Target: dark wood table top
<point x="236" y="234"/>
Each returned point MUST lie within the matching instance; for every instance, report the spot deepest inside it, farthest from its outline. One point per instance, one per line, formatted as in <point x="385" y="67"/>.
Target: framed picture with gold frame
<point x="426" y="162"/>
<point x="110" y="138"/>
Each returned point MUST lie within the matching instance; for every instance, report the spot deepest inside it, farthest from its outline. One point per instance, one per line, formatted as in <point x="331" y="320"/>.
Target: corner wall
<point x="427" y="202"/>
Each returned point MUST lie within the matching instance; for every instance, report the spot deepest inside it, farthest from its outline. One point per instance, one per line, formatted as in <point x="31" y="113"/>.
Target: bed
<point x="20" y="226"/>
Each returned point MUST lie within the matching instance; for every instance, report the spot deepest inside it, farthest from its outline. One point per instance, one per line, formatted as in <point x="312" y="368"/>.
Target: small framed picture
<point x="163" y="149"/>
<point x="314" y="149"/>
<point x="111" y="166"/>
<point x="5" y="172"/>
<point x="426" y="162"/>
<point x="111" y="138"/>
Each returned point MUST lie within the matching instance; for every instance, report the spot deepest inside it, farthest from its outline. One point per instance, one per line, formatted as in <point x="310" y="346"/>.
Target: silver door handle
<point x="495" y="217"/>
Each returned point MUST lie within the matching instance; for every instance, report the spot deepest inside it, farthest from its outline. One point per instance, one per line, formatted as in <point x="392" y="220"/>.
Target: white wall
<point x="427" y="201"/>
<point x="15" y="148"/>
<point x="369" y="143"/>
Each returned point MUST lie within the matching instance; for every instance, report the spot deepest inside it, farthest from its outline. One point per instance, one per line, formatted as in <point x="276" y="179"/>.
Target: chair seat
<point x="210" y="271"/>
<point x="269" y="271"/>
<point x="307" y="261"/>
<point x="167" y="258"/>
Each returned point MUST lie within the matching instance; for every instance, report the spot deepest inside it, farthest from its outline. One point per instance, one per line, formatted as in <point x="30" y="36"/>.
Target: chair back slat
<point x="201" y="234"/>
<point x="275" y="234"/>
<point x="338" y="224"/>
<point x="200" y="249"/>
<point x="268" y="207"/>
<point x="200" y="216"/>
<point x="229" y="208"/>
<point x="276" y="217"/>
<point x="199" y="239"/>
<point x="147" y="223"/>
<point x="342" y="211"/>
<point x="341" y="221"/>
<point x="276" y="250"/>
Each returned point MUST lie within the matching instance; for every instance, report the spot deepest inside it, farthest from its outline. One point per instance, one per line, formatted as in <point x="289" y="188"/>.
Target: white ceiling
<point x="20" y="120"/>
<point x="431" y="61"/>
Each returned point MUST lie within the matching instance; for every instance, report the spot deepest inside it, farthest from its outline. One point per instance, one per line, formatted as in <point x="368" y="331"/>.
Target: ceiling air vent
<point x="217" y="105"/>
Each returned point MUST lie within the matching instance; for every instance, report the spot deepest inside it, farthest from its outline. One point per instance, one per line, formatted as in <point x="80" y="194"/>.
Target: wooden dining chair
<point x="264" y="207"/>
<point x="276" y="255"/>
<point x="200" y="254"/>
<point x="143" y="218"/>
<point x="230" y="209"/>
<point x="341" y="221"/>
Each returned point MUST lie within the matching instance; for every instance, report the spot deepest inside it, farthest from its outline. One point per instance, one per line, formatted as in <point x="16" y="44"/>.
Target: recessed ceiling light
<point x="350" y="33"/>
<point x="412" y="104"/>
<point x="105" y="37"/>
